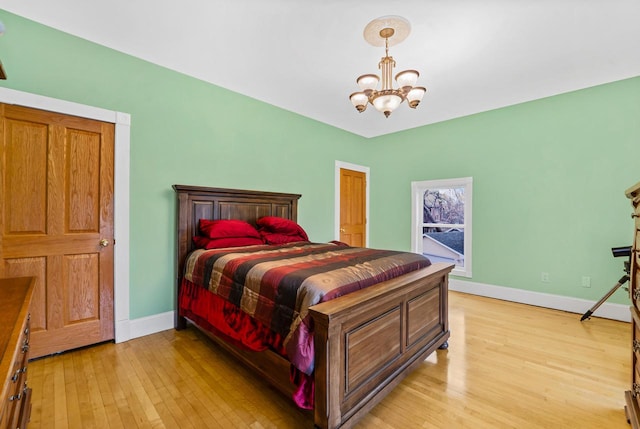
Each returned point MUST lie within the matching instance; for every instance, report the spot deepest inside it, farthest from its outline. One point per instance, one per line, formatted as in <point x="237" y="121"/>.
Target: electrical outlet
<point x="586" y="281"/>
<point x="544" y="277"/>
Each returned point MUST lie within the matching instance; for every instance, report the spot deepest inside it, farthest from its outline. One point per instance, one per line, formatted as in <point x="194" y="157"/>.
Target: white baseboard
<point x="565" y="303"/>
<point x="148" y="325"/>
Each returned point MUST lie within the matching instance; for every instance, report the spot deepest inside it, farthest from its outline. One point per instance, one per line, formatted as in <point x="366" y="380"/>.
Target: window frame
<point x="417" y="194"/>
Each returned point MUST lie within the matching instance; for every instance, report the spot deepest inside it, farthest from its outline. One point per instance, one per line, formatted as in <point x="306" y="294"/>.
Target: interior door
<point x="353" y="220"/>
<point x="56" y="223"/>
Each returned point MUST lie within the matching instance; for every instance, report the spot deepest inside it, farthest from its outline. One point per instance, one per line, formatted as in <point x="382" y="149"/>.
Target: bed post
<point x="327" y="384"/>
<point x="182" y="247"/>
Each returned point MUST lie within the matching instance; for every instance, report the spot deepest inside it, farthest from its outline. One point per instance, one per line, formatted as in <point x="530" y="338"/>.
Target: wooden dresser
<point x="15" y="400"/>
<point x="632" y="396"/>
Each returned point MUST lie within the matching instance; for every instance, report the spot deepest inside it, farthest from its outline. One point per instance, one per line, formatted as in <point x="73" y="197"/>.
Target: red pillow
<point x="279" y="225"/>
<point x="218" y="243"/>
<point x="225" y="228"/>
<point x="275" y="238"/>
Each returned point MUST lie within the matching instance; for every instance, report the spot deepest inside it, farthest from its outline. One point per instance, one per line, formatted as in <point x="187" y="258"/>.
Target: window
<point x="441" y="221"/>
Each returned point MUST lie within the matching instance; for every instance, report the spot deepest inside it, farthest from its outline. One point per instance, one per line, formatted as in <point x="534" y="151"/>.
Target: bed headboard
<point x="197" y="202"/>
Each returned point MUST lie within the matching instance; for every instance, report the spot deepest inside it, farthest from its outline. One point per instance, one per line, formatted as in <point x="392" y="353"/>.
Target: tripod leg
<point x="588" y="314"/>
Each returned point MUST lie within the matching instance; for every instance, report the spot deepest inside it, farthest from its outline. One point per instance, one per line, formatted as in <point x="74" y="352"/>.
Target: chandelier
<point x="387" y="31"/>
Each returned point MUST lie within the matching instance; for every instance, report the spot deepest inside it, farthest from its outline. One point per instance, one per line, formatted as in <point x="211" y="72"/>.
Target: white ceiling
<point x="303" y="56"/>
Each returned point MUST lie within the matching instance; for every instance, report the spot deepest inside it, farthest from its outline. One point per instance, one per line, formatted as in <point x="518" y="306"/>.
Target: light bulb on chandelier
<point x="387" y="31"/>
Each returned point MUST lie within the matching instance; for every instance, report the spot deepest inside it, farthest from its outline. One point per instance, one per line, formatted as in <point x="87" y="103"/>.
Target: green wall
<point x="549" y="175"/>
<point x="548" y="191"/>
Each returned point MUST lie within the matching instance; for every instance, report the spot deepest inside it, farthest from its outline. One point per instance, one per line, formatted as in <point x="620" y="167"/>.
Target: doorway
<point x="352" y="204"/>
<point x="122" y="137"/>
<point x="56" y="194"/>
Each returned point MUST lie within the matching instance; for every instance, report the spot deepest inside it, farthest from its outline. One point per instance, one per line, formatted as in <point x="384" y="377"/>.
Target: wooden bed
<point x="366" y="342"/>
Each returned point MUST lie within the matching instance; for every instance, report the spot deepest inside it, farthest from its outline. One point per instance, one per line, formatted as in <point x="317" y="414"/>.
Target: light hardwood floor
<point x="508" y="366"/>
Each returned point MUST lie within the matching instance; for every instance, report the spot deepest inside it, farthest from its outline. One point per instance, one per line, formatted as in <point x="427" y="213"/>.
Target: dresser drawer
<point x="635" y="347"/>
<point x="15" y="396"/>
<point x="634" y="274"/>
<point x="18" y="404"/>
<point x="632" y="396"/>
<point x="635" y="355"/>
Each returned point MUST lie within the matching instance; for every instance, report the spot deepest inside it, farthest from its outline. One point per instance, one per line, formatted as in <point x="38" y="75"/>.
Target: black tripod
<point x="589" y="312"/>
<point x="617" y="251"/>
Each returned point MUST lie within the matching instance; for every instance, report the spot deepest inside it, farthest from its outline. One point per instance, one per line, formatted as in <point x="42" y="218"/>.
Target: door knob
<point x="342" y="230"/>
<point x="104" y="242"/>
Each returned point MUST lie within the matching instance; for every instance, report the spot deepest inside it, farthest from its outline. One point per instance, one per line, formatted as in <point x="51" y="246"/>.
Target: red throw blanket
<point x="277" y="284"/>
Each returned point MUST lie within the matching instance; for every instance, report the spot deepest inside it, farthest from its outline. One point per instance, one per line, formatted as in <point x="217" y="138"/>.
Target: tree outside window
<point x="442" y="221"/>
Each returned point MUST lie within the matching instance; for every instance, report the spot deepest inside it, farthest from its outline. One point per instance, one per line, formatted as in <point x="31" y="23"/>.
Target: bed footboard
<point x="366" y="342"/>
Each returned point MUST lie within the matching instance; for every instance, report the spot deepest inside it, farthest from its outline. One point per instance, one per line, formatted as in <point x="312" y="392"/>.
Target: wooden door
<point x="353" y="203"/>
<point x="56" y="223"/>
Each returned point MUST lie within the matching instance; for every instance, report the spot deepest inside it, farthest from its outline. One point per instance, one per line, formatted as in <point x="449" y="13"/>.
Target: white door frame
<point x="122" y="137"/>
<point x="336" y="222"/>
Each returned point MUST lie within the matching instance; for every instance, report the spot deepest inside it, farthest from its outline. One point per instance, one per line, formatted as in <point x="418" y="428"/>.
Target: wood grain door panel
<point x="57" y="197"/>
<point x="25" y="166"/>
<point x="353" y="214"/>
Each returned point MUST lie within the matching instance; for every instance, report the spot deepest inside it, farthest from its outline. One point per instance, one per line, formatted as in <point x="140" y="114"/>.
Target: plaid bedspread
<point x="277" y="284"/>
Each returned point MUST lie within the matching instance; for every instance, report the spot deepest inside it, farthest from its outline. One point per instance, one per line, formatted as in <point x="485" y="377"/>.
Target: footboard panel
<point x="371" y="339"/>
<point x="362" y="362"/>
